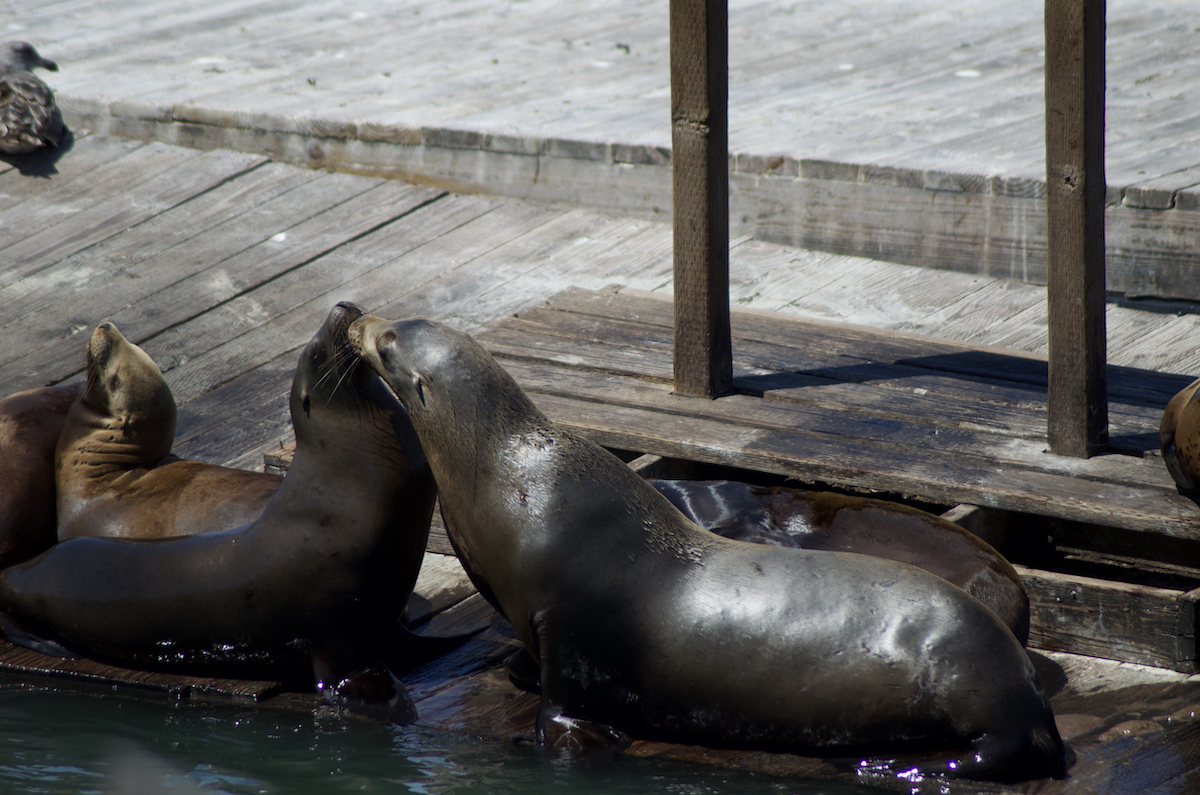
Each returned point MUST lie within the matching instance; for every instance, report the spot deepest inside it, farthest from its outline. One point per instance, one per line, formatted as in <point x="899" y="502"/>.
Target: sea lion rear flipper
<point x="373" y="691"/>
<point x="21" y="635"/>
<point x="990" y="756"/>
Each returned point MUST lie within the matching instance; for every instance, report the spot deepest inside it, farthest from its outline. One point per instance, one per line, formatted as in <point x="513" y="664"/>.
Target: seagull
<point x="29" y="119"/>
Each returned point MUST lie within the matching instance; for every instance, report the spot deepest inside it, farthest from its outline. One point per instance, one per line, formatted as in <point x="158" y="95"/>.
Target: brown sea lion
<point x="823" y="520"/>
<point x="646" y="625"/>
<point x="312" y="587"/>
<point x="30" y="424"/>
<point x="1179" y="438"/>
<point x="115" y="474"/>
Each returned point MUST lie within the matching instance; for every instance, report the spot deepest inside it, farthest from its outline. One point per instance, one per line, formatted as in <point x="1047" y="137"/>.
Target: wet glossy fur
<point x="645" y="625"/>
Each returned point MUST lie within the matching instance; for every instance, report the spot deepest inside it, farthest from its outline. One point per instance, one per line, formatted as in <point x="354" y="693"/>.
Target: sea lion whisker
<point x="345" y="373"/>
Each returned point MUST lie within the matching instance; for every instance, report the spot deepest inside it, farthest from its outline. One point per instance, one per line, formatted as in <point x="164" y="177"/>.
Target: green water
<point x="91" y="740"/>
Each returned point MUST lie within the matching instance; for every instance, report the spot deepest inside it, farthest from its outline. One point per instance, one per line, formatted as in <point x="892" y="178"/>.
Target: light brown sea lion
<point x="30" y="424"/>
<point x="1179" y="438"/>
<point x="312" y="588"/>
<point x="115" y="474"/>
<point x="646" y="625"/>
<point x="824" y="520"/>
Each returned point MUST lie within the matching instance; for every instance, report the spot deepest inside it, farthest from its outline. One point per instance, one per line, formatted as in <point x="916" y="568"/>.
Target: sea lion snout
<point x="100" y="344"/>
<point x="341" y="317"/>
<point x="374" y="340"/>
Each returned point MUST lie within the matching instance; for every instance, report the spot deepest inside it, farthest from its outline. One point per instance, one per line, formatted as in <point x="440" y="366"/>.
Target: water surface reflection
<point x="91" y="740"/>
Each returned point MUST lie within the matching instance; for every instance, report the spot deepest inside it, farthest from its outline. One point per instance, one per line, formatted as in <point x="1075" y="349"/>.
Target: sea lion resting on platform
<point x="315" y="584"/>
<point x="646" y="625"/>
<point x="30" y="424"/>
<point x="1179" y="438"/>
<point x="823" y="520"/>
<point x="115" y="474"/>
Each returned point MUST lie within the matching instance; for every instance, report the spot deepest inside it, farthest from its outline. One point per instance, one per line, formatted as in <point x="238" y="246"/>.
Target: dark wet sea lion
<point x="314" y="585"/>
<point x="823" y="520"/>
<point x="30" y="424"/>
<point x="646" y="625"/>
<point x="1179" y="438"/>
<point x="115" y="473"/>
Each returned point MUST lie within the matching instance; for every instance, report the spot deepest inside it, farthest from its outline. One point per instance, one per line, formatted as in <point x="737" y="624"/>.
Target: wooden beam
<point x="700" y="187"/>
<point x="1077" y="407"/>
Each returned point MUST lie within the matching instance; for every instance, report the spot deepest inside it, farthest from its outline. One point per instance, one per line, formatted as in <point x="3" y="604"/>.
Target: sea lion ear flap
<point x="419" y="386"/>
<point x="304" y="402"/>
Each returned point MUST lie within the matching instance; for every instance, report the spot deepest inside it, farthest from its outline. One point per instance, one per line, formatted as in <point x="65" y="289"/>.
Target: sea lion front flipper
<point x="373" y="691"/>
<point x="556" y="732"/>
<point x="565" y="735"/>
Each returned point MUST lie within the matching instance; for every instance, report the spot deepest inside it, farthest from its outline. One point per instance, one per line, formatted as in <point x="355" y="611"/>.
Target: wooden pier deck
<point x="222" y="265"/>
<point x="909" y="131"/>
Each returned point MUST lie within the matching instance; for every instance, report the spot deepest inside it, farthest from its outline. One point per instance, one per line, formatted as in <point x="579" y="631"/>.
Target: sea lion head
<point x="432" y="367"/>
<point x="330" y="387"/>
<point x="449" y="383"/>
<point x="125" y="390"/>
<point x="472" y="418"/>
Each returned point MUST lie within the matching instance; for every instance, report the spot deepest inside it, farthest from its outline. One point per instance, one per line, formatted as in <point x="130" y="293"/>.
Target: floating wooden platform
<point x="221" y="265"/>
<point x="908" y="131"/>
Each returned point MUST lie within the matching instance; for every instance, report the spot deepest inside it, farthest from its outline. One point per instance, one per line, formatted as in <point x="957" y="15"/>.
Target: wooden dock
<point x="222" y="265"/>
<point x="908" y="131"/>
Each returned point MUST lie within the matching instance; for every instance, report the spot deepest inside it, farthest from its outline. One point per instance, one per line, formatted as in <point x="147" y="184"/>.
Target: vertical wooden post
<point x="700" y="186"/>
<point x="1077" y="399"/>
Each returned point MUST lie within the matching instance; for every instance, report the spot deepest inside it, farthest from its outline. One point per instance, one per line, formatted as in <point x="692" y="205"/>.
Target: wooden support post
<point x="1077" y="398"/>
<point x="700" y="167"/>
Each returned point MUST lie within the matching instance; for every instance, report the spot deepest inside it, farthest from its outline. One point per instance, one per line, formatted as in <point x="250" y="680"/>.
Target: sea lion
<point x="646" y="625"/>
<point x="315" y="585"/>
<point x="30" y="424"/>
<point x="824" y="520"/>
<point x="1179" y="438"/>
<point x="29" y="119"/>
<point x="114" y="471"/>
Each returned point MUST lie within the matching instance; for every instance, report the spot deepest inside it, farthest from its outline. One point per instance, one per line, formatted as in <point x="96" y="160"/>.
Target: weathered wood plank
<point x="109" y="178"/>
<point x="816" y="376"/>
<point x="88" y="153"/>
<point x="633" y="247"/>
<point x="945" y="480"/>
<point x="891" y="347"/>
<point x="120" y="255"/>
<point x="20" y="660"/>
<point x="554" y="238"/>
<point x="1117" y="621"/>
<point x="201" y="271"/>
<point x="186" y="179"/>
<point x="879" y="435"/>
<point x="285" y="331"/>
